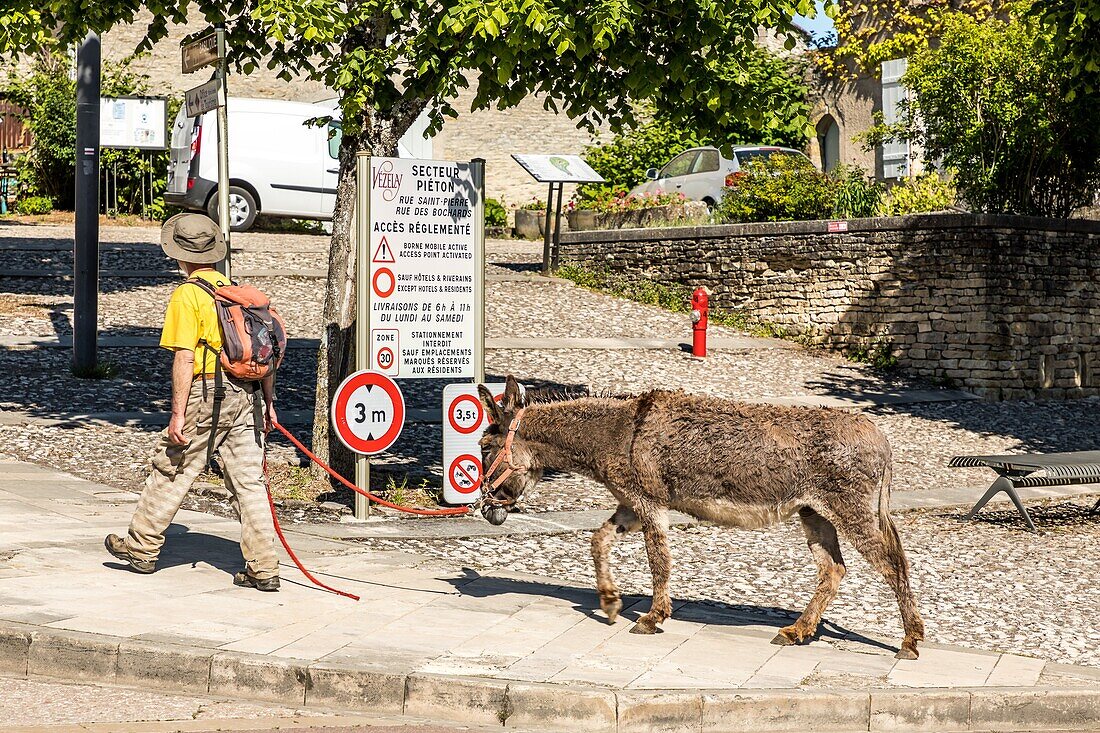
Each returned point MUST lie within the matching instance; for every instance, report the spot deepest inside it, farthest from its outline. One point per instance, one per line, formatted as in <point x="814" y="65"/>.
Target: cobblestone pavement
<point x="984" y="584"/>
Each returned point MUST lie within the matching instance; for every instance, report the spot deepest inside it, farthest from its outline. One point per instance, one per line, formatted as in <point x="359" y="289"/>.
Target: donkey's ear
<point x="513" y="395"/>
<point x="495" y="413"/>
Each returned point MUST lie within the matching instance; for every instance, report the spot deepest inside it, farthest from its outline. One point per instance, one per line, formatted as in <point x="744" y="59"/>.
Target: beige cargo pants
<point x="239" y="442"/>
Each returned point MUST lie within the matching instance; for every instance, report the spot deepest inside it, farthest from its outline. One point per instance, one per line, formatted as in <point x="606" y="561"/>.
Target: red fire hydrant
<point x="699" y="307"/>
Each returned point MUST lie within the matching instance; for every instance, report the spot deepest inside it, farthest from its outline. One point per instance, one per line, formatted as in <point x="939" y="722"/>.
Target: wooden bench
<point x="1050" y="469"/>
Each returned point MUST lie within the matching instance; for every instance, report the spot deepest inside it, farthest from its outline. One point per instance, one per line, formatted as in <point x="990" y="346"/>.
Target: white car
<point x="700" y="173"/>
<point x="278" y="165"/>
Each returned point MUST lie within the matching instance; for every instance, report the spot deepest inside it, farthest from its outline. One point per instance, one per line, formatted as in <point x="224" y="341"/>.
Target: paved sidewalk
<point x="438" y="640"/>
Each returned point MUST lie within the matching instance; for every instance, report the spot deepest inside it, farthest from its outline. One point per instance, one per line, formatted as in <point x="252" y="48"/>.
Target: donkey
<point x="735" y="464"/>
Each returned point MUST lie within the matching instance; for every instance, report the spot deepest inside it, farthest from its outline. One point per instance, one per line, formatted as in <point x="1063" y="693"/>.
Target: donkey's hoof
<point x="644" y="627"/>
<point x="906" y="653"/>
<point x="611" y="608"/>
<point x="781" y="639"/>
<point x="789" y="636"/>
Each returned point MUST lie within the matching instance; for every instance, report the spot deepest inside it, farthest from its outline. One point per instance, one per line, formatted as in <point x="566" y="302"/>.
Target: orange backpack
<point x="253" y="334"/>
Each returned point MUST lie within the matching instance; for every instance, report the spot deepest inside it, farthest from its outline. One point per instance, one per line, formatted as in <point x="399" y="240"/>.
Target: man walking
<point x="208" y="414"/>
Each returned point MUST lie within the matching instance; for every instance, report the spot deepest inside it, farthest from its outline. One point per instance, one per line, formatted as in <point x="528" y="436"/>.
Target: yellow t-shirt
<point x="191" y="318"/>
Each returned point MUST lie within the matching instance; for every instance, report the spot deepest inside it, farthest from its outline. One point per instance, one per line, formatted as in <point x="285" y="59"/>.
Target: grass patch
<point x="879" y="355"/>
<point x="674" y="298"/>
<point x="296" y="482"/>
<point x="403" y="493"/>
<point x="101" y="370"/>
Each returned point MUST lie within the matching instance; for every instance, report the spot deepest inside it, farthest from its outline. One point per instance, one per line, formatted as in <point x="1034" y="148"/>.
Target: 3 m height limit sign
<point x="425" y="252"/>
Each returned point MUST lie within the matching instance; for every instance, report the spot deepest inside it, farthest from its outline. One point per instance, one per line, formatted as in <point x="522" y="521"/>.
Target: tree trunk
<point x="378" y="135"/>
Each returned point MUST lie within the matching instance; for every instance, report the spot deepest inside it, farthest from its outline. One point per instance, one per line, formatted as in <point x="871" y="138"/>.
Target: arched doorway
<point x="828" y="143"/>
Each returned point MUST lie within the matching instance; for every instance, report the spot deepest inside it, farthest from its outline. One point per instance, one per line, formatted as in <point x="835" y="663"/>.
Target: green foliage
<point x="782" y="189"/>
<point x="1073" y="31"/>
<point x="34" y="205"/>
<point x="919" y="194"/>
<point x="857" y="195"/>
<point x="495" y="213"/>
<point x="624" y="159"/>
<point x="534" y="205"/>
<point x="879" y="355"/>
<point x="48" y="97"/>
<point x="990" y="101"/>
<point x="101" y="370"/>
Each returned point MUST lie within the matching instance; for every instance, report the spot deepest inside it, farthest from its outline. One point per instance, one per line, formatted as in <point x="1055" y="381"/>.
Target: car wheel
<point x="710" y="204"/>
<point x="242" y="209"/>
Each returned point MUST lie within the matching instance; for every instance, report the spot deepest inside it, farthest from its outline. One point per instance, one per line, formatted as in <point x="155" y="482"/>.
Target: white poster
<point x="464" y="420"/>
<point x="133" y="122"/>
<point x="424" y="280"/>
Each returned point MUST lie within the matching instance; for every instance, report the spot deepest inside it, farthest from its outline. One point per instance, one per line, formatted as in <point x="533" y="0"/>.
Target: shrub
<point x="857" y="196"/>
<point x="919" y="194"/>
<point x="534" y="205"/>
<point x="990" y="100"/>
<point x="48" y="97"/>
<point x="783" y="189"/>
<point x="495" y="214"/>
<point x="34" y="205"/>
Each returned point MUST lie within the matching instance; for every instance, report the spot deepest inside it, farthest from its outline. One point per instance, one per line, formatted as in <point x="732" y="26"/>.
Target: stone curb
<point x="34" y="651"/>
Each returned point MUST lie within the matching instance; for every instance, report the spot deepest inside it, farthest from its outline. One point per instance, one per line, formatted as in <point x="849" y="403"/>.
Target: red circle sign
<point x="386" y="290"/>
<point x="384" y="357"/>
<point x="459" y="414"/>
<point x="368" y="412"/>
<point x="465" y="474"/>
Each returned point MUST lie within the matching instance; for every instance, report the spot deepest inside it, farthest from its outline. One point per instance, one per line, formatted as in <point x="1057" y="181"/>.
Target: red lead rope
<point x="458" y="511"/>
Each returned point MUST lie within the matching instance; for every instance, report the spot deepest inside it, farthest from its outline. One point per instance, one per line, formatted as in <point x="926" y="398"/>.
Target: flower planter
<point x="582" y="219"/>
<point x="530" y="223"/>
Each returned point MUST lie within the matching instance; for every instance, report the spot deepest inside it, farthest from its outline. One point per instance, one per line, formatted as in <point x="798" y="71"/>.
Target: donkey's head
<point x="508" y="462"/>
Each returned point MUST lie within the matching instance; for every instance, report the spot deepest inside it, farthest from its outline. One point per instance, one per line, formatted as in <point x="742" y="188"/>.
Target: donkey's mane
<point x="545" y="396"/>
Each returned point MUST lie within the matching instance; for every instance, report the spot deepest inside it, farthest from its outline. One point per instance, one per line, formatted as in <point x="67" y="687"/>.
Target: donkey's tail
<point x="885" y="523"/>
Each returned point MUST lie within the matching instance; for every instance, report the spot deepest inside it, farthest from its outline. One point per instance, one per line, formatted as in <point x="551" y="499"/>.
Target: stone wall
<point x="1006" y="306"/>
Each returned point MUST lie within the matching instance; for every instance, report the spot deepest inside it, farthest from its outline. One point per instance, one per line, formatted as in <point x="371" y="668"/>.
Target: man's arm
<point x="183" y="372"/>
<point x="270" y="418"/>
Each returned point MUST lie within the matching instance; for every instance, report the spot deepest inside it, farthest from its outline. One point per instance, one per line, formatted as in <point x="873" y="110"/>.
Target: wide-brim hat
<point x="193" y="238"/>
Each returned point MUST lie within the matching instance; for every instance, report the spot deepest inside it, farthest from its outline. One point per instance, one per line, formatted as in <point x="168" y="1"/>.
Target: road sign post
<point x="226" y="266"/>
<point x="362" y="308"/>
<point x="197" y="54"/>
<point x="420" y="272"/>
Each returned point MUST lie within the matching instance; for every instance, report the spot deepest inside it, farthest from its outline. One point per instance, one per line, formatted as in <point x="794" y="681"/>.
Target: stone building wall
<point x="490" y="134"/>
<point x="1006" y="306"/>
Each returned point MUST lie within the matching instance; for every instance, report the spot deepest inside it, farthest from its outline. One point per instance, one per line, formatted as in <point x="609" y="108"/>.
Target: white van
<point x="278" y="165"/>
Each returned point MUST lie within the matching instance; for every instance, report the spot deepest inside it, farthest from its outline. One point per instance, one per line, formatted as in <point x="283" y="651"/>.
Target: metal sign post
<point x="199" y="53"/>
<point x="362" y="308"/>
<point x="225" y="267"/>
<point x="86" y="235"/>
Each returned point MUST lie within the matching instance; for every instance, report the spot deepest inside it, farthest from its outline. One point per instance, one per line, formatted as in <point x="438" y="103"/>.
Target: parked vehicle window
<point x="708" y="162"/>
<point x="680" y="165"/>
<point x="767" y="156"/>
<point x="334" y="139"/>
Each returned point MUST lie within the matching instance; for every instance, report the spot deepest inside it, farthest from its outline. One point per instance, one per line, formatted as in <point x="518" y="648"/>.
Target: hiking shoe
<point x="267" y="585"/>
<point x="117" y="547"/>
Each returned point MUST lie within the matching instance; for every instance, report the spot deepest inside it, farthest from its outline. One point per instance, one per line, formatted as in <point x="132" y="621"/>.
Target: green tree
<point x="990" y="102"/>
<point x="1074" y="31"/>
<point x="390" y="60"/>
<point x="48" y="98"/>
<point x="624" y="159"/>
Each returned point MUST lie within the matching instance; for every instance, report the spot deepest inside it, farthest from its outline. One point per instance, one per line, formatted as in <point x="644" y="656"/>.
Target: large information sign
<point x="425" y="265"/>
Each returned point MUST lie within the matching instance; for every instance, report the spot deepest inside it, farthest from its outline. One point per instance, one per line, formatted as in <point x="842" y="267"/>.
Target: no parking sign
<point x="464" y="420"/>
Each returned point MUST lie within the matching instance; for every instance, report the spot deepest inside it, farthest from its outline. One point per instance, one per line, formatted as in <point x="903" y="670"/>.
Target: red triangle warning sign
<point x="384" y="253"/>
